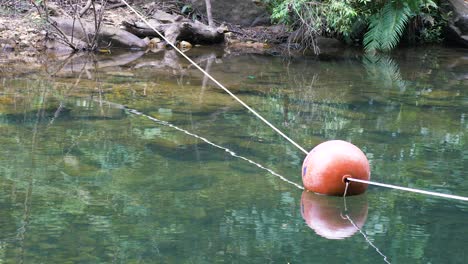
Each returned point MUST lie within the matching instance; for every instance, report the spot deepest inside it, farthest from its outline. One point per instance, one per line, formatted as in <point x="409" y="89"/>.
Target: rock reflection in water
<point x="326" y="215"/>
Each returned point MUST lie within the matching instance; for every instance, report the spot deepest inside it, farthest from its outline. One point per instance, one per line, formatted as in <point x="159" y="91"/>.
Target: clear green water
<point x="82" y="181"/>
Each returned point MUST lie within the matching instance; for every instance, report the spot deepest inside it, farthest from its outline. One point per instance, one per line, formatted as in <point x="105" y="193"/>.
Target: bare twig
<point x="86" y="7"/>
<point x="307" y="27"/>
<point x="40" y="10"/>
<point x="98" y="17"/>
<point x="63" y="37"/>
<point x="89" y="35"/>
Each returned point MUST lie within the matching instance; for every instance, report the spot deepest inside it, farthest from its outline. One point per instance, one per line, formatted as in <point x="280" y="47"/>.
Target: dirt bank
<point x="27" y="31"/>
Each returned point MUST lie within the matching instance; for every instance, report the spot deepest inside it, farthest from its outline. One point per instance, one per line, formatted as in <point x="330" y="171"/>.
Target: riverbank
<point x="22" y="33"/>
<point x="28" y="31"/>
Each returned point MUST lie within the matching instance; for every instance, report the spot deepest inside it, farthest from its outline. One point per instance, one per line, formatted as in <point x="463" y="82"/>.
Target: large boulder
<point x="241" y="12"/>
<point x="457" y="30"/>
<point x="80" y="34"/>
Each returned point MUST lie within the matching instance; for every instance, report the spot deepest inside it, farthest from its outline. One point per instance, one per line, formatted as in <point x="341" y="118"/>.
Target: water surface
<point x="83" y="180"/>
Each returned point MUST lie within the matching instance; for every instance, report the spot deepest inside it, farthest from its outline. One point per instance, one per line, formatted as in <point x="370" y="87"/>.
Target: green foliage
<point x="338" y="15"/>
<point x="381" y="24"/>
<point x="341" y="16"/>
<point x="386" y="27"/>
<point x="186" y="9"/>
<point x="432" y="23"/>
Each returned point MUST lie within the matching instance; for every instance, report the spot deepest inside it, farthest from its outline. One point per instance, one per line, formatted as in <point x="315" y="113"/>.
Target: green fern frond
<point x="386" y="27"/>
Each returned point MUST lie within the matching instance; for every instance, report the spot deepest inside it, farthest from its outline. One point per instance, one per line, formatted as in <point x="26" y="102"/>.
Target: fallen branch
<point x="193" y="32"/>
<point x="116" y="5"/>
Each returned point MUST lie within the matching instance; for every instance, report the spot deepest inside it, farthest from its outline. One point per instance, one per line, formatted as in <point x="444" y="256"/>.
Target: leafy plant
<point x="186" y="9"/>
<point x="380" y="24"/>
<point x="386" y="27"/>
<point x="432" y="23"/>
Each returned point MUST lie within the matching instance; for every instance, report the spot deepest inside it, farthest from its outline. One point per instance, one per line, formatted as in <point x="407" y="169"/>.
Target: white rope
<point x="165" y="123"/>
<point x="272" y="126"/>
<point x="450" y="196"/>
<point x="215" y="81"/>
<point x="232" y="153"/>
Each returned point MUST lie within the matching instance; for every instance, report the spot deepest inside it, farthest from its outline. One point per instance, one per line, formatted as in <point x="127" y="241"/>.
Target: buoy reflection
<point x="330" y="218"/>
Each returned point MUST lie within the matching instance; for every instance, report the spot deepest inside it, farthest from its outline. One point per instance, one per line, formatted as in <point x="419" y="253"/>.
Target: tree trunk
<point x="209" y="14"/>
<point x="193" y="32"/>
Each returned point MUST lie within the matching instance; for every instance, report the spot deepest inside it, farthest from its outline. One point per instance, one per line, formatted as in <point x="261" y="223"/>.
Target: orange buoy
<point x="328" y="165"/>
<point x="330" y="218"/>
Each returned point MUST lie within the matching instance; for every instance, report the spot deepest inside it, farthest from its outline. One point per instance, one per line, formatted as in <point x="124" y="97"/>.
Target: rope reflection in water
<point x="232" y="153"/>
<point x="346" y="215"/>
<point x="324" y="214"/>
